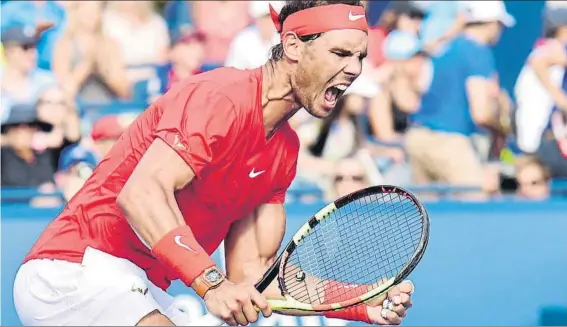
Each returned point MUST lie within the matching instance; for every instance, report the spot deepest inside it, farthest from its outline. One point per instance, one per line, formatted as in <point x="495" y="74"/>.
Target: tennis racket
<point x="352" y="251"/>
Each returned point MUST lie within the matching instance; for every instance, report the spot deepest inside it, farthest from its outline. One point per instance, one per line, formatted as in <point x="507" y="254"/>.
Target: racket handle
<point x="207" y="320"/>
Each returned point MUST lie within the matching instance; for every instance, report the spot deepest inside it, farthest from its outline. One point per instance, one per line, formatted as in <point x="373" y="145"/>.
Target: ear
<point x="292" y="46"/>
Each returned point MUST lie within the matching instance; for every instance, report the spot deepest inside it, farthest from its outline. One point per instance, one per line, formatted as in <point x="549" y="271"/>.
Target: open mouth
<point x="333" y="94"/>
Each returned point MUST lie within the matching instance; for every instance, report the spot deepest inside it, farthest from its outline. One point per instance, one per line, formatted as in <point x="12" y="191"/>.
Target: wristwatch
<point x="211" y="278"/>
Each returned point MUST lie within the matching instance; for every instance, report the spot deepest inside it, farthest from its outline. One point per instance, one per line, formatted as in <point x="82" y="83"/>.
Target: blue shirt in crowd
<point x="445" y="105"/>
<point x="28" y="13"/>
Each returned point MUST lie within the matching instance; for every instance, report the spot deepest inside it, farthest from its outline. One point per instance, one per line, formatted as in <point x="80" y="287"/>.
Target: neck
<point x="278" y="102"/>
<point x="477" y="35"/>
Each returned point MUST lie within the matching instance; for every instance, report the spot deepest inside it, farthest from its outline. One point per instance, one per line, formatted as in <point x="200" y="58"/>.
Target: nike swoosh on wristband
<point x="177" y="240"/>
<point x="353" y="18"/>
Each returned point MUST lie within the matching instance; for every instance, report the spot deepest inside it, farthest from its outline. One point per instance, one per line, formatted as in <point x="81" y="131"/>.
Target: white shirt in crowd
<point x="534" y="104"/>
<point x="140" y="44"/>
<point x="248" y="50"/>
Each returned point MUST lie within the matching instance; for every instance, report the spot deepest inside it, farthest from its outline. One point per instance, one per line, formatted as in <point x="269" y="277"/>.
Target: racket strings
<point x="357" y="250"/>
<point x="361" y="244"/>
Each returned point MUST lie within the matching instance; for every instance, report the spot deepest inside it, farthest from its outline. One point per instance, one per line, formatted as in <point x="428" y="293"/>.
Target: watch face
<point x="213" y="276"/>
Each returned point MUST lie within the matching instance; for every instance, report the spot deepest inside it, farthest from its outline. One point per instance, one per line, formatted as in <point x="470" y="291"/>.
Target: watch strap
<point x="202" y="285"/>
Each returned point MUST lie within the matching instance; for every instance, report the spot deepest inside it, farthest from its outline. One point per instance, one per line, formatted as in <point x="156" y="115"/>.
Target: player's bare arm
<point x="148" y="196"/>
<point x="149" y="204"/>
<point x="252" y="244"/>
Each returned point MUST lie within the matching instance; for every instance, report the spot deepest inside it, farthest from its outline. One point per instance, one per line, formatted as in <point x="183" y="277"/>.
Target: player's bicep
<point x="163" y="166"/>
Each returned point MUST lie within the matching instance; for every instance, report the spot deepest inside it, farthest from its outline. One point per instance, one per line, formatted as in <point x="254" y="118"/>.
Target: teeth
<point x="341" y="87"/>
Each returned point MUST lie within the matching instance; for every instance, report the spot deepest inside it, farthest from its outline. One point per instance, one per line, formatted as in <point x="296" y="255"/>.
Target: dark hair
<point x="276" y="53"/>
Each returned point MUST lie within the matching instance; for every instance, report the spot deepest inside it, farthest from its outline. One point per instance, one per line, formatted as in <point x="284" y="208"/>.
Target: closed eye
<point x="342" y="54"/>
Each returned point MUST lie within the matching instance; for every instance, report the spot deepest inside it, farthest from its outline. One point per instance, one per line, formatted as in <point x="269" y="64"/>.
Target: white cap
<point x="487" y="11"/>
<point x="258" y="9"/>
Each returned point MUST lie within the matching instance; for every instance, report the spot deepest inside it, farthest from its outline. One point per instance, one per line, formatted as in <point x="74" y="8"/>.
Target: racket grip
<point x="207" y="320"/>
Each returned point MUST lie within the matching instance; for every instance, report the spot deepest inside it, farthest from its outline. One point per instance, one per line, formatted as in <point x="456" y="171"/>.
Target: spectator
<point x="541" y="93"/>
<point x="533" y="179"/>
<point x="179" y="18"/>
<point x="87" y="63"/>
<point x="340" y="135"/>
<point x="22" y="80"/>
<point x="55" y="107"/>
<point x="539" y="86"/>
<point x="187" y="56"/>
<point x="404" y="77"/>
<point x="36" y="13"/>
<point x="444" y="21"/>
<point x="251" y="47"/>
<point x="107" y="130"/>
<point x="220" y="21"/>
<point x="141" y="35"/>
<point x="462" y="95"/>
<point x="350" y="176"/>
<point x="76" y="164"/>
<point x="399" y="15"/>
<point x="22" y="165"/>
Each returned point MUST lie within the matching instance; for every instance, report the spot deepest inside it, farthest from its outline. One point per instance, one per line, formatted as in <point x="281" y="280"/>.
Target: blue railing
<point x="487" y="264"/>
<point x="22" y="195"/>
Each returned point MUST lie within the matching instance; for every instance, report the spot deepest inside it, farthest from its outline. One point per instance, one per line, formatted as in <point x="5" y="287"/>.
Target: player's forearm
<point x="151" y="210"/>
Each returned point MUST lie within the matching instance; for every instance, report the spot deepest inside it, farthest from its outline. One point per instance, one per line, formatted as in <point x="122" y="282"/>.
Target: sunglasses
<point x="355" y="178"/>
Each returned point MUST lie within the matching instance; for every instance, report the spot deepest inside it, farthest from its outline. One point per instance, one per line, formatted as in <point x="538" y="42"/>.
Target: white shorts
<point x="103" y="290"/>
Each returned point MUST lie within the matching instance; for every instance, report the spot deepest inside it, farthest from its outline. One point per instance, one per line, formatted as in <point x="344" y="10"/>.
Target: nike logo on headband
<point x="353" y="18"/>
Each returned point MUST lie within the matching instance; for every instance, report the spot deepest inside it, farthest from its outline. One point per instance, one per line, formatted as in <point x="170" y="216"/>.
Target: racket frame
<point x="290" y="305"/>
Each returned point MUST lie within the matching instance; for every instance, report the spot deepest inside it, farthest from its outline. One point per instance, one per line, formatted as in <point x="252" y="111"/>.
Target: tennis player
<point x="211" y="160"/>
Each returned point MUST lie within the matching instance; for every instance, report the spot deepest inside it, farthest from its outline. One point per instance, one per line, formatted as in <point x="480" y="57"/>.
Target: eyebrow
<point x="348" y="52"/>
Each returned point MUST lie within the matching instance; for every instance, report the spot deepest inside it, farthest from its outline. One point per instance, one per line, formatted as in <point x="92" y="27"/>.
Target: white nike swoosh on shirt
<point x="177" y="240"/>
<point x="255" y="174"/>
<point x="353" y="18"/>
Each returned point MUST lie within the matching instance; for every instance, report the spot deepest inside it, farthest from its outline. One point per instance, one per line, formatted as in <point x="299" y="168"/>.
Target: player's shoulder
<point x="240" y="86"/>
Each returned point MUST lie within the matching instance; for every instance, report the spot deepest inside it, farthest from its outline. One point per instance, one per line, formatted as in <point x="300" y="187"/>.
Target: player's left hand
<point x="391" y="309"/>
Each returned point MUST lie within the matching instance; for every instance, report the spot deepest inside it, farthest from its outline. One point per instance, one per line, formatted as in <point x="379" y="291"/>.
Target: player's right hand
<point x="236" y="303"/>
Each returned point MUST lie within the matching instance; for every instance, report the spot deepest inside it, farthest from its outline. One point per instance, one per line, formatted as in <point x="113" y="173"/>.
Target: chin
<point x="318" y="112"/>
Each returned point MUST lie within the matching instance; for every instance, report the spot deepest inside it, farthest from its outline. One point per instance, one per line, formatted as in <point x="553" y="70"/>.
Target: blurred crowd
<point x="427" y="109"/>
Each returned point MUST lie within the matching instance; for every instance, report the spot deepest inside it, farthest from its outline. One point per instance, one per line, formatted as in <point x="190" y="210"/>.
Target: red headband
<point x="322" y="19"/>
